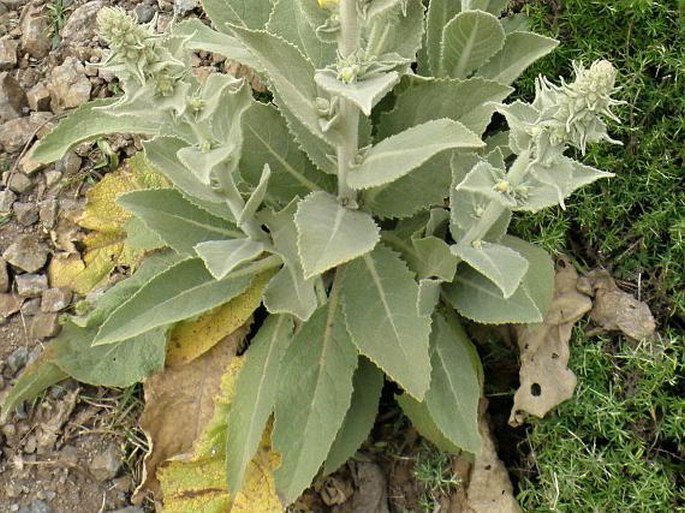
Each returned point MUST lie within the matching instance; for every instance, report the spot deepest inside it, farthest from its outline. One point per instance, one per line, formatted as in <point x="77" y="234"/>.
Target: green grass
<point x="633" y="224"/>
<point x="619" y="445"/>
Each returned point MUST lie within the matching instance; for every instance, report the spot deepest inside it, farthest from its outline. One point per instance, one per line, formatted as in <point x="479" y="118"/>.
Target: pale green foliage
<point x="338" y="189"/>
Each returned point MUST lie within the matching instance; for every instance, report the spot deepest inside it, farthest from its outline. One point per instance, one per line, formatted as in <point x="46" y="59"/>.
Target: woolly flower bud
<point x="120" y="31"/>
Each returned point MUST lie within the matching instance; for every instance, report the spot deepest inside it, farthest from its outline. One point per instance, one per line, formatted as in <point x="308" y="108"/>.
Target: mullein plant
<point x="371" y="192"/>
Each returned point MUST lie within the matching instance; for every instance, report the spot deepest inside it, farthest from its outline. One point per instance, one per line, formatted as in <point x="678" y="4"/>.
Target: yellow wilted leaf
<point x="198" y="483"/>
<point x="190" y="339"/>
<point x="105" y="246"/>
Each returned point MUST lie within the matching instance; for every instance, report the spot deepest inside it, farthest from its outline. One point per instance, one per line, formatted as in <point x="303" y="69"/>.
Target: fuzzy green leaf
<point x="267" y="141"/>
<point x="440" y="12"/>
<point x="483" y="180"/>
<point x="417" y="412"/>
<point x="492" y="6"/>
<point x="424" y="186"/>
<point x="469" y="40"/>
<point x="502" y="265"/>
<point x="380" y="297"/>
<point x="252" y="14"/>
<point x="391" y="32"/>
<point x="162" y="152"/>
<point x="432" y="258"/>
<point x="176" y="220"/>
<point x="113" y="365"/>
<point x="296" y="22"/>
<point x="88" y="122"/>
<point x="288" y="291"/>
<point x="183" y="291"/>
<point x="477" y="298"/>
<point x="256" y="197"/>
<point x="223" y="256"/>
<point x="398" y="155"/>
<point x="421" y="100"/>
<point x="359" y="420"/>
<point x="315" y="390"/>
<point x="329" y="234"/>
<point x="255" y="395"/>
<point x="455" y="391"/>
<point x="365" y="94"/>
<point x="429" y="295"/>
<point x="520" y="50"/>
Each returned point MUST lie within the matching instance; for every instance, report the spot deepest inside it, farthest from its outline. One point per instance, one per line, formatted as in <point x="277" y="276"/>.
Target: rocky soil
<point x="77" y="450"/>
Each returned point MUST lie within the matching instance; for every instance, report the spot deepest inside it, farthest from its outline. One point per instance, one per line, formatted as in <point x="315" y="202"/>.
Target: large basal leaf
<point x="267" y="141"/>
<point x="185" y="290"/>
<point x="296" y="21"/>
<point x="251" y="14"/>
<point x="520" y="50"/>
<point x="422" y="100"/>
<point x="500" y="264"/>
<point x="329" y="234"/>
<point x="380" y="297"/>
<point x="255" y="396"/>
<point x="469" y="40"/>
<point x="315" y="389"/>
<point x="176" y="220"/>
<point x="492" y="6"/>
<point x="365" y="94"/>
<point x="479" y="299"/>
<point x="359" y="420"/>
<point x="115" y="365"/>
<point x="288" y="291"/>
<point x="417" y="412"/>
<point x="424" y="186"/>
<point x="440" y="12"/>
<point x="193" y="338"/>
<point x="455" y="391"/>
<point x="88" y="122"/>
<point x="398" y="155"/>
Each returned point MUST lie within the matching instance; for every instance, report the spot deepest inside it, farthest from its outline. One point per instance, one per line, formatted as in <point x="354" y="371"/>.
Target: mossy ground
<point x="619" y="444"/>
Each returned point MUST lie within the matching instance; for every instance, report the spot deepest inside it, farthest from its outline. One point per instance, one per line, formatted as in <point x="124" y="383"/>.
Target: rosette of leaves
<point x="370" y="187"/>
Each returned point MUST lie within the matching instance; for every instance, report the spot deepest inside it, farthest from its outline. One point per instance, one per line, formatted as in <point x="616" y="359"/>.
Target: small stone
<point x="69" y="86"/>
<point x="9" y="305"/>
<point x="106" y="465"/>
<point x="8" y="53"/>
<point x="182" y="7"/>
<point x="37" y="507"/>
<point x="26" y="214"/>
<point x="38" y="97"/>
<point x="47" y="213"/>
<point x="20" y="183"/>
<point x="45" y="325"/>
<point x="35" y="38"/>
<point x="90" y="70"/>
<point x="80" y="27"/>
<point x="4" y="276"/>
<point x="12" y="98"/>
<point x="55" y="299"/>
<point x="27" y="254"/>
<point x="52" y="177"/>
<point x="7" y="199"/>
<point x="145" y="11"/>
<point x="43" y="122"/>
<point x="30" y="307"/>
<point x="69" y="164"/>
<point x="31" y="285"/>
<point x="18" y="359"/>
<point x="28" y="164"/>
<point x="15" y="133"/>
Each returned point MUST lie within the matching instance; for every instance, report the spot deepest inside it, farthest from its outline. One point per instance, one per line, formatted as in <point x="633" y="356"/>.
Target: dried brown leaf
<point x="179" y="403"/>
<point x="545" y="378"/>
<point x="616" y="310"/>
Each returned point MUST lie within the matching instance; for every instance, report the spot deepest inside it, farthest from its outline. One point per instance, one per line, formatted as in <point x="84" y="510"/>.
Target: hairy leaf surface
<point x="380" y="297"/>
<point x="315" y="393"/>
<point x="365" y="94"/>
<point x="244" y="13"/>
<point x="329" y="234"/>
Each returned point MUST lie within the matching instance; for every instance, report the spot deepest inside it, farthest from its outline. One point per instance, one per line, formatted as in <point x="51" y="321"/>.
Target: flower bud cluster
<point x="573" y="113"/>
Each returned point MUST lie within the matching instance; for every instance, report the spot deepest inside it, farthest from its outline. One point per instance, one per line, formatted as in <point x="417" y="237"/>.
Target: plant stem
<point x="348" y="44"/>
